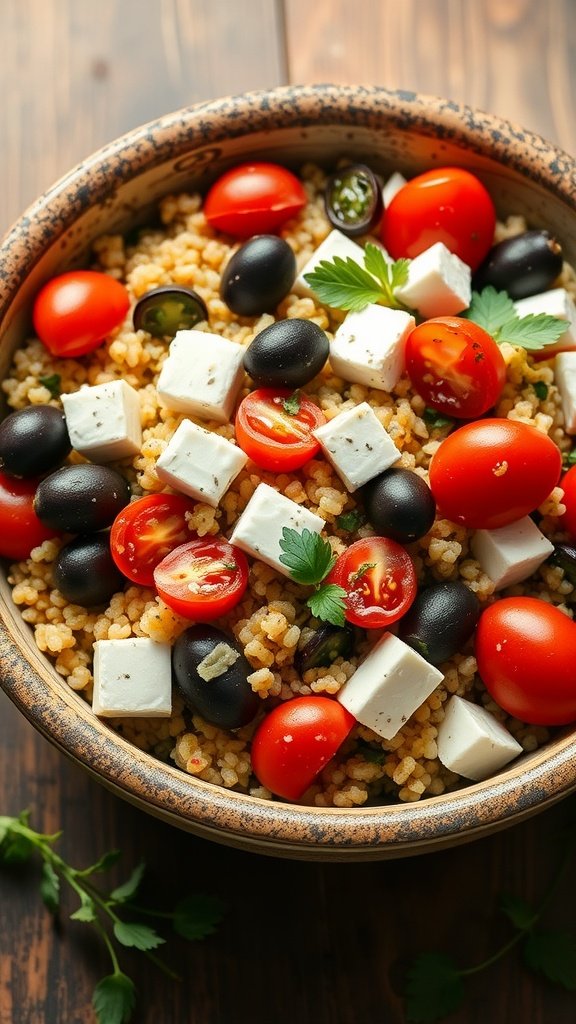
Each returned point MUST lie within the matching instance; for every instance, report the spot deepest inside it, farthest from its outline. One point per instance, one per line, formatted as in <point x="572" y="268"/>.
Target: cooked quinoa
<point x="272" y="620"/>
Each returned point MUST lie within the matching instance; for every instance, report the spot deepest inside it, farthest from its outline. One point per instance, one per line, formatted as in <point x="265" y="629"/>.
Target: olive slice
<point x="353" y="200"/>
<point x="168" y="309"/>
<point x="324" y="646"/>
<point x="564" y="555"/>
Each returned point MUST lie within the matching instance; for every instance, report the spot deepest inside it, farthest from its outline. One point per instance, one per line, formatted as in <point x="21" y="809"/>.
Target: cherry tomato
<point x="273" y="436"/>
<point x="20" y="528"/>
<point x="295" y="742"/>
<point x="145" y="531"/>
<point x="568" y="520"/>
<point x="490" y="473"/>
<point x="74" y="312"/>
<point x="525" y="652"/>
<point x="202" y="579"/>
<point x="456" y="366"/>
<point x="447" y="205"/>
<point x="253" y="199"/>
<point x="379" y="579"/>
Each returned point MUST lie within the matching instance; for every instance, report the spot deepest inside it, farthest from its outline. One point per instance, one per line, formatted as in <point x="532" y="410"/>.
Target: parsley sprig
<point x="309" y="558"/>
<point x="496" y="313"/>
<point x="193" y="918"/>
<point x="345" y="284"/>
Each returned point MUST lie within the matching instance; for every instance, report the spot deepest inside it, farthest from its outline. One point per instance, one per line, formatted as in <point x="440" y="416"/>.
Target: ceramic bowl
<point x="119" y="187"/>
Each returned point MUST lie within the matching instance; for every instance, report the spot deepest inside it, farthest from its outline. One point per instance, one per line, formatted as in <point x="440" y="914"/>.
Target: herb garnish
<point x="436" y="420"/>
<point x="309" y="558"/>
<point x="344" y="284"/>
<point x="52" y="383"/>
<point x="291" y="404"/>
<point x="351" y="520"/>
<point x="541" y="389"/>
<point x="114" y="997"/>
<point x="496" y="313"/>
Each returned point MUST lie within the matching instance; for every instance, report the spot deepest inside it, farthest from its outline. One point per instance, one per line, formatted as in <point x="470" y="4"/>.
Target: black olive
<point x="33" y="441"/>
<point x="85" y="572"/>
<point x="258" y="276"/>
<point x="164" y="311"/>
<point x="81" y="499"/>
<point x="325" y="645"/>
<point x="440" y="621"/>
<point x="564" y="555"/>
<point x="353" y="200"/>
<point x="287" y="354"/>
<point x="399" y="504"/>
<point x="225" y="697"/>
<point x="522" y="266"/>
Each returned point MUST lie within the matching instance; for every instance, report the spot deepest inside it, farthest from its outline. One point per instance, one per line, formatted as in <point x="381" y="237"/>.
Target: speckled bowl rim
<point x="60" y="714"/>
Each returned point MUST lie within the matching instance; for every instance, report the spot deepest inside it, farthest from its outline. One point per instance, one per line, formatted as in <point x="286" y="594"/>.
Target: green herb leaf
<point x="344" y="284"/>
<point x="435" y="420"/>
<point x="86" y="911"/>
<point x="390" y="274"/>
<point x="130" y="933"/>
<point x="15" y="848"/>
<point x="517" y="911"/>
<point x="434" y="988"/>
<point x="308" y="556"/>
<point x="532" y="332"/>
<point x="553" y="954"/>
<point x="351" y="520"/>
<point x="52" y="383"/>
<point x="50" y="887"/>
<point x="128" y="889"/>
<point x="490" y="309"/>
<point x="114" y="999"/>
<point x="541" y="389"/>
<point x="327" y="603"/>
<point x="569" y="458"/>
<point x="291" y="405"/>
<point x="362" y="570"/>
<point x="198" y="916"/>
<point x="106" y="861"/>
<point x="374" y="755"/>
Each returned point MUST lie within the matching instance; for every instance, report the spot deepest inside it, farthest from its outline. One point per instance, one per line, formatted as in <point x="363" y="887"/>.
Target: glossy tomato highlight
<point x="202" y="579"/>
<point x="145" y="531"/>
<point x="254" y="199"/>
<point x="379" y="579"/>
<point x="274" y="437"/>
<point x="74" y="312"/>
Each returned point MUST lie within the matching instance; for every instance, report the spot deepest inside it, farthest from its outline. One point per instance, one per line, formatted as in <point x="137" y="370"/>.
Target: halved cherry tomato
<point x="296" y="741"/>
<point x="568" y="520"/>
<point x="254" y="199"/>
<point x="20" y="528"/>
<point x="448" y="204"/>
<point x="490" y="473"/>
<point x="202" y="579"/>
<point x="145" y="531"/>
<point x="74" y="312"/>
<point x="455" y="366"/>
<point x="273" y="437"/>
<point x="379" y="579"/>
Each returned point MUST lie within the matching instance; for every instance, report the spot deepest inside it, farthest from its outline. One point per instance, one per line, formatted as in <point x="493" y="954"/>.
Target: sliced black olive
<point x="522" y="266"/>
<point x="164" y="311"/>
<point x="564" y="555"/>
<point x="81" y="499"/>
<point x="33" y="441"/>
<point x="211" y="673"/>
<point x="84" y="571"/>
<point x="441" y="620"/>
<point x="258" y="276"/>
<point x="399" y="504"/>
<point x="325" y="645"/>
<point x="353" y="199"/>
<point x="287" y="354"/>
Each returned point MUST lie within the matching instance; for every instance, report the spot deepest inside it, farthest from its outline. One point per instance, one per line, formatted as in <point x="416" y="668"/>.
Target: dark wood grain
<point x="321" y="944"/>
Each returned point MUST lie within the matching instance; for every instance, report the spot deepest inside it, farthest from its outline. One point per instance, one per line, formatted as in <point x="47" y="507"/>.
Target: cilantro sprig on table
<point x="309" y="558"/>
<point x="496" y="313"/>
<point x="345" y="284"/>
<point x="193" y="918"/>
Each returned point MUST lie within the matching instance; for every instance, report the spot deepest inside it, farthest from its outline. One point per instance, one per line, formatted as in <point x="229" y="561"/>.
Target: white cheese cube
<point x="395" y="182"/>
<point x="438" y="283"/>
<point x="511" y="553"/>
<point x="202" y="375"/>
<point x="132" y="679"/>
<point x="369" y="347"/>
<point x="258" y="531"/>
<point x="556" y="302"/>
<point x="104" y="421"/>
<point x="472" y="742"/>
<point x="565" y="376"/>
<point x="389" y="685"/>
<point x="357" y="445"/>
<point x="335" y="244"/>
<point x="200" y="463"/>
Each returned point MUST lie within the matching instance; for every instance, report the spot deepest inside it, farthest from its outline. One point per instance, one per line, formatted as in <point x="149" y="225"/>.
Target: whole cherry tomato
<point x="568" y="520"/>
<point x="20" y="528"/>
<point x="274" y="437"/>
<point x="525" y="653"/>
<point x="455" y="365"/>
<point x="145" y="531"/>
<point x="449" y="205"/>
<point x="254" y="199"/>
<point x="203" y="578"/>
<point x="379" y="579"/>
<point x="490" y="473"/>
<point x="74" y="312"/>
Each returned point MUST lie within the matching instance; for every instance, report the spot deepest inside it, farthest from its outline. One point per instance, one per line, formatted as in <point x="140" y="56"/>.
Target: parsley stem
<point x="109" y="945"/>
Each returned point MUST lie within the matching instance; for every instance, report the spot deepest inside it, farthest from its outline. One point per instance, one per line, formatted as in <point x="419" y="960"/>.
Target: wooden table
<point x="321" y="944"/>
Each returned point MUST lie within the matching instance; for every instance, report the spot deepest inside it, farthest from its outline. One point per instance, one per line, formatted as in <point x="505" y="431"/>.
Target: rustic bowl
<point x="119" y="187"/>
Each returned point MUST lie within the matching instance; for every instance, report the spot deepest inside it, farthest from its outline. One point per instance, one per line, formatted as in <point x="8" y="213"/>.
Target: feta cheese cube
<point x="565" y="376"/>
<point x="335" y="244"/>
<point x="132" y="679"/>
<point x="357" y="445"/>
<point x="258" y="531"/>
<point x="395" y="182"/>
<point x="438" y="283"/>
<point x="202" y="375"/>
<point x="555" y="302"/>
<point x="200" y="463"/>
<point x="389" y="685"/>
<point x="472" y="742"/>
<point x="104" y="421"/>
<point x="511" y="553"/>
<point x="369" y="347"/>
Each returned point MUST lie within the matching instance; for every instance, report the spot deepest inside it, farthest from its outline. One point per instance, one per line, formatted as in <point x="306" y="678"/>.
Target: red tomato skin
<point x="296" y="741"/>
<point x="74" y="312"/>
<point x="20" y="528"/>
<point x="261" y="447"/>
<point x="253" y="199"/>
<point x="448" y="204"/>
<point x="370" y="602"/>
<point x="224" y="589"/>
<point x="490" y="473"/>
<point x="455" y="366"/>
<point x="525" y="653"/>
<point x="568" y="520"/>
<point x="145" y="531"/>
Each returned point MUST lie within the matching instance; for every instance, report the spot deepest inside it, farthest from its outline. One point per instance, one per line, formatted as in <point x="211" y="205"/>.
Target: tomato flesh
<point x="75" y="311"/>
<point x="568" y="485"/>
<point x="20" y="528"/>
<point x="145" y="531"/>
<point x="379" y="579"/>
<point x="254" y="199"/>
<point x="272" y="437"/>
<point x="202" y="579"/>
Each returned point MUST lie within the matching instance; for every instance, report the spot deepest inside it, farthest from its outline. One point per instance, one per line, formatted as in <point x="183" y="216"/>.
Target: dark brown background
<point x="302" y="942"/>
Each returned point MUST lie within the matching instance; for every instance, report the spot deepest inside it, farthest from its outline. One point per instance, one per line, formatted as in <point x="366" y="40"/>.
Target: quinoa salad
<point x="272" y="624"/>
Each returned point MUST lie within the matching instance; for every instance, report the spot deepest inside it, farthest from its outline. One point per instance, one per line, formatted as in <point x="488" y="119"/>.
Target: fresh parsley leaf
<point x="308" y="556"/>
<point x="106" y="861"/>
<point x="198" y="916"/>
<point x="327" y="603"/>
<point x="86" y="912"/>
<point x="390" y="274"/>
<point x="291" y="405"/>
<point x="15" y="848"/>
<point x="50" y="887"/>
<point x="569" y="458"/>
<point x="553" y="954"/>
<point x="541" y="389"/>
<point x="129" y="933"/>
<point x="490" y="309"/>
<point x="434" y="988"/>
<point x="52" y="383"/>
<point x="344" y="284"/>
<point x="114" y="999"/>
<point x="351" y="520"/>
<point x="129" y="888"/>
<point x="517" y="911"/>
<point x="532" y="332"/>
<point x="435" y="420"/>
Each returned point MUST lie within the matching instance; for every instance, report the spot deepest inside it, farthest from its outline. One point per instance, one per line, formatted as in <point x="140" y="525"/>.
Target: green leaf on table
<point x="553" y="954"/>
<point x="124" y="892"/>
<point x="140" y="936"/>
<point x="106" y="861"/>
<point x="86" y="912"/>
<point x="114" y="999"/>
<point x="518" y="912"/>
<point x="308" y="556"/>
<point x="434" y="988"/>
<point x="50" y="887"/>
<point x="327" y="603"/>
<point x="198" y="916"/>
<point x="15" y="849"/>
